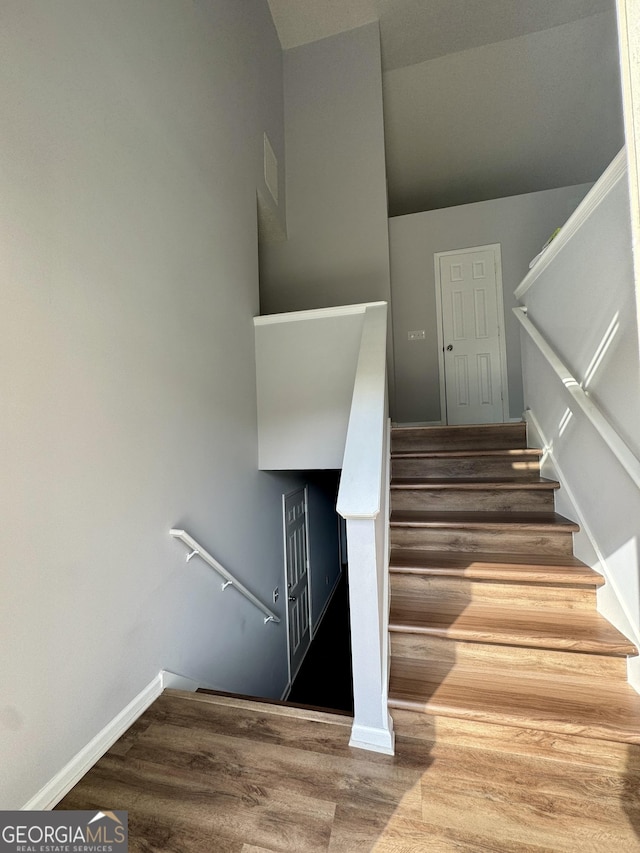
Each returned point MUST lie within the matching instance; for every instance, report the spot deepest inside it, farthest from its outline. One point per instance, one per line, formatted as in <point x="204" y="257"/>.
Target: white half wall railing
<point x="598" y="193"/>
<point x="363" y="501"/>
<point x="196" y="550"/>
<point x="623" y="453"/>
<point x="305" y="372"/>
<point x="322" y="403"/>
<point x="581" y="376"/>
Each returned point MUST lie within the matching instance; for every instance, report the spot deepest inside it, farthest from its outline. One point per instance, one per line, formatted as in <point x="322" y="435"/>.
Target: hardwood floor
<point x="200" y="773"/>
<point x="516" y="729"/>
<point x="492" y="618"/>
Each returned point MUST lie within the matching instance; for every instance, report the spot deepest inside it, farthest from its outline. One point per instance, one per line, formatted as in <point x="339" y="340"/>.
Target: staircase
<point x="493" y="620"/>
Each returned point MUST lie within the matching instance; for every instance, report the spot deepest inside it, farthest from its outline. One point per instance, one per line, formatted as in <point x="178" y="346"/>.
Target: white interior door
<point x="472" y="340"/>
<point x="297" y="577"/>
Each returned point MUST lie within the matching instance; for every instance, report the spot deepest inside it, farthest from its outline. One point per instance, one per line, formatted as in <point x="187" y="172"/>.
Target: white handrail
<point x="617" y="445"/>
<point x="229" y="580"/>
<point x="363" y="463"/>
<point x="598" y="192"/>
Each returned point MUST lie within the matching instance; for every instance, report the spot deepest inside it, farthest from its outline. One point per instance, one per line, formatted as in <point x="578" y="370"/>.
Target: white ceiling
<point x="483" y="98"/>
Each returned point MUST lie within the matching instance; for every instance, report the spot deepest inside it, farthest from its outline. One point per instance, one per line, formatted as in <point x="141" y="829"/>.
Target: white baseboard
<point x="373" y="739"/>
<point x="56" y="788"/>
<point x="610" y="601"/>
<point x="178" y="682"/>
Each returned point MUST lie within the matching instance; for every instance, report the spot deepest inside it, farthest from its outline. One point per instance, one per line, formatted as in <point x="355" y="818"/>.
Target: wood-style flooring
<point x="492" y="618"/>
<point x="206" y="774"/>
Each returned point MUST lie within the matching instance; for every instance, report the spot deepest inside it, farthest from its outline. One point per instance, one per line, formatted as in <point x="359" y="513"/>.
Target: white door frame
<point x="304" y="489"/>
<point x="497" y="254"/>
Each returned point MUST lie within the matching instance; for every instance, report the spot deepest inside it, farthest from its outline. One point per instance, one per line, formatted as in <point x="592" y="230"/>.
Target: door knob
<point x="450" y="347"/>
<point x="292" y="598"/>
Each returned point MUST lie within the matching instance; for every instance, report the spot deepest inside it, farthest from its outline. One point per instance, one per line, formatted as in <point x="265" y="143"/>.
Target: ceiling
<point x="483" y="98"/>
<point x="414" y="31"/>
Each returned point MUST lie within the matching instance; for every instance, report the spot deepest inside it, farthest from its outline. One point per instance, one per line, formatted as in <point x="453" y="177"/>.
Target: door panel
<point x="297" y="573"/>
<point x="471" y="337"/>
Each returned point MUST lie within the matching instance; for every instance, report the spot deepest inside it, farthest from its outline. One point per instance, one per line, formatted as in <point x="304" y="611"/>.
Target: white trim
<point x="395" y="424"/>
<point x="315" y="313"/>
<point x="305" y="489"/>
<point x="623" y="453"/>
<point x="362" y="462"/>
<point x="602" y="567"/>
<point x="496" y="248"/>
<point x="440" y="336"/>
<point x="386" y="583"/>
<point x="628" y="47"/>
<point x="286" y="692"/>
<point x="173" y="681"/>
<point x="373" y="740"/>
<point x="503" y="335"/>
<point x="56" y="788"/>
<point x="598" y="192"/>
<point x="307" y="533"/>
<point x="289" y="686"/>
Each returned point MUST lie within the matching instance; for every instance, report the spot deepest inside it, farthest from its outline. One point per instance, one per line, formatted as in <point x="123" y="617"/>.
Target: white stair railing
<point x="197" y="550"/>
<point x="363" y="502"/>
<point x="623" y="453"/>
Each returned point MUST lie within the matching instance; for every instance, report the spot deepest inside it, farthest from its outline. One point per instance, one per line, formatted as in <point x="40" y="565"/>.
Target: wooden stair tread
<point x="262" y="706"/>
<point x="591" y="708"/>
<point x="490" y="427"/>
<point x="585" y="631"/>
<point x="268" y="701"/>
<point x="519" y="568"/>
<point x="457" y="454"/>
<point x="477" y="483"/>
<point x="459" y="437"/>
<point x="537" y="521"/>
<point x="491" y="637"/>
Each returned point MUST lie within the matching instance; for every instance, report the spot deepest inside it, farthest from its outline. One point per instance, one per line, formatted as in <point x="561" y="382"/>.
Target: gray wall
<point x="337" y="247"/>
<point x="521" y="224"/>
<point x="130" y="165"/>
<point x="323" y="540"/>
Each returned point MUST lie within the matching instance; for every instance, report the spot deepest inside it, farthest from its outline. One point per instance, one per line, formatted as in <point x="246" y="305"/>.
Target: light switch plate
<point x="418" y="335"/>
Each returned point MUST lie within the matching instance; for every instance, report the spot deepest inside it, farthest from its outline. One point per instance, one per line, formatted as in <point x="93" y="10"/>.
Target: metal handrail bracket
<point x="197" y="550"/>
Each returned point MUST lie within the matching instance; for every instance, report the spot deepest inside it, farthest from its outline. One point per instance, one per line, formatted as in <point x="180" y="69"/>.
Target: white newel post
<point x="363" y="502"/>
<point x="372" y="725"/>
